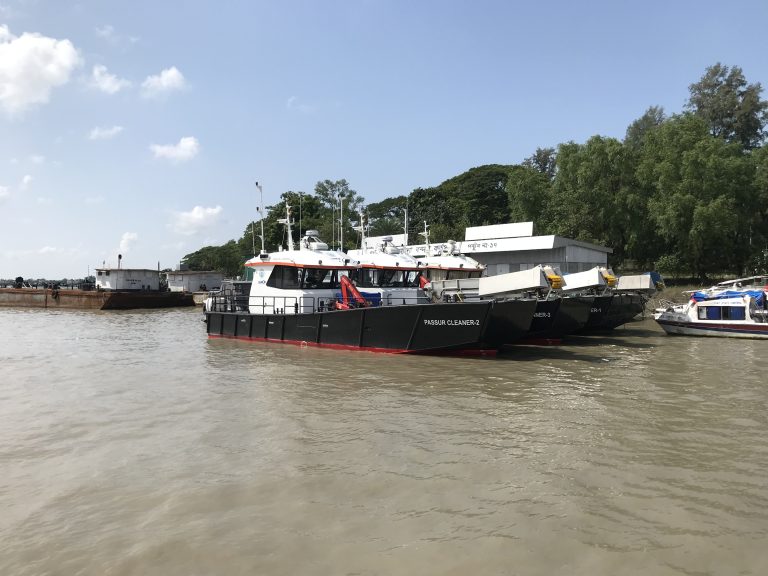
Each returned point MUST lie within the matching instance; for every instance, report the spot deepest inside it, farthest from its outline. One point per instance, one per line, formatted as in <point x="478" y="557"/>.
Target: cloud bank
<point x="187" y="148"/>
<point x="127" y="241"/>
<point x="32" y="65"/>
<point x="100" y="133"/>
<point x="108" y="83"/>
<point x="196" y="220"/>
<point x="169" y="80"/>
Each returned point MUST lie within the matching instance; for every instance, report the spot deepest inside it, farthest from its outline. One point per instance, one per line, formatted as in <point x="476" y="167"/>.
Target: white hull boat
<point x="731" y="314"/>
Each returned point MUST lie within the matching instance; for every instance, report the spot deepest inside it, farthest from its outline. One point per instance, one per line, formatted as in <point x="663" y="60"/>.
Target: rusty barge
<point x="91" y="299"/>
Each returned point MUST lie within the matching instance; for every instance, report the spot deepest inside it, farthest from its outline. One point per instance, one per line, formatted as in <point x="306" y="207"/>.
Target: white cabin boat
<point x="733" y="314"/>
<point x="307" y="296"/>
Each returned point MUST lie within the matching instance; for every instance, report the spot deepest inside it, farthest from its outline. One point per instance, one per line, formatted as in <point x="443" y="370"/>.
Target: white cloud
<point x="93" y="200"/>
<point x="293" y="104"/>
<point x="105" y="133"/>
<point x="108" y="83"/>
<point x="127" y="241"/>
<point x="48" y="250"/>
<point x="4" y="193"/>
<point x="107" y="32"/>
<point x="186" y="149"/>
<point x="31" y="65"/>
<point x="196" y="220"/>
<point x="25" y="182"/>
<point x="37" y="159"/>
<point x="167" y="81"/>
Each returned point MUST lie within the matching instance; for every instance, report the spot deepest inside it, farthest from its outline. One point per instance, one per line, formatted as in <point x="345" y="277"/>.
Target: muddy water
<point x="130" y="444"/>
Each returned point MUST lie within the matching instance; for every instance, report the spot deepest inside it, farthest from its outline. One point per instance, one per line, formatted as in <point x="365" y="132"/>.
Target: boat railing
<point x="227" y="301"/>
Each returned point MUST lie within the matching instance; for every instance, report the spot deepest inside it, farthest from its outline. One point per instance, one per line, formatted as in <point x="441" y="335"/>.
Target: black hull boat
<point x="313" y="296"/>
<point x="509" y="322"/>
<point x="416" y="329"/>
<point x="542" y="329"/>
<point x="610" y="312"/>
<point x="572" y="315"/>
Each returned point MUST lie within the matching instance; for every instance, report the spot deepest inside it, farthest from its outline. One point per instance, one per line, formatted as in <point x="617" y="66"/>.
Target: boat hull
<point x="612" y="311"/>
<point x="719" y="329"/>
<point x="573" y="314"/>
<point x="91" y="299"/>
<point x="509" y="321"/>
<point x="429" y="328"/>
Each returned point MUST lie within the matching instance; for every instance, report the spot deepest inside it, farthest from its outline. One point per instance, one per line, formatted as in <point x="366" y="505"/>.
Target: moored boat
<point x="727" y="313"/>
<point x="613" y="301"/>
<point x="307" y="296"/>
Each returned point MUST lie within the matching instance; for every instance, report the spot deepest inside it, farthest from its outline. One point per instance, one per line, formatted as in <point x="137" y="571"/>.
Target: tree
<point x="701" y="205"/>
<point x="529" y="192"/>
<point x="331" y="194"/>
<point x="732" y="108"/>
<point x="594" y="194"/>
<point x="543" y="161"/>
<point x="636" y="131"/>
<point x="387" y="216"/>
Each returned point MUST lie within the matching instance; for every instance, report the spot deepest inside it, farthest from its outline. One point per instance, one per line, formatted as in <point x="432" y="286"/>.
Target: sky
<point x="140" y="128"/>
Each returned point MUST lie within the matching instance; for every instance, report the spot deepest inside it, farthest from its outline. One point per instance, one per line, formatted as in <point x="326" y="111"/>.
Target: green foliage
<point x="732" y="108"/>
<point x="386" y="217"/>
<point x="227" y="259"/>
<point x="544" y="160"/>
<point x="687" y="193"/>
<point x="636" y="132"/>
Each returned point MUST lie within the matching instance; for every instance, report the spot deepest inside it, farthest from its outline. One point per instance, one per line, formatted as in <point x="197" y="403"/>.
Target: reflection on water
<point x="130" y="444"/>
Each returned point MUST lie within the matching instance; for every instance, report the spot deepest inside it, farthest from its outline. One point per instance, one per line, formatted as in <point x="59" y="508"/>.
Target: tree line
<point x="686" y="193"/>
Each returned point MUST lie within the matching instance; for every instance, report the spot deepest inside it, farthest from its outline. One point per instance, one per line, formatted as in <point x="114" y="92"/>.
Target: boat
<point x="510" y="317"/>
<point x="307" y="296"/>
<point x="612" y="301"/>
<point x="76" y="299"/>
<point x="537" y="286"/>
<point x="725" y="313"/>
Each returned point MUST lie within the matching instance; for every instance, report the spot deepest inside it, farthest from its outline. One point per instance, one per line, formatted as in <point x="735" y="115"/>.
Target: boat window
<point x="710" y="313"/>
<point x="390" y="278"/>
<point x="315" y="278"/>
<point x="412" y="278"/>
<point x="734" y="313"/>
<point x="286" y="277"/>
<point x="364" y="277"/>
<point x="436" y="274"/>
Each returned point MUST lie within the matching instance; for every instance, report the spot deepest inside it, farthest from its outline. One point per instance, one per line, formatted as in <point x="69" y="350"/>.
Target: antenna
<point x="405" y="224"/>
<point x="260" y="210"/>
<point x="426" y="238"/>
<point x="341" y="221"/>
<point x="287" y="222"/>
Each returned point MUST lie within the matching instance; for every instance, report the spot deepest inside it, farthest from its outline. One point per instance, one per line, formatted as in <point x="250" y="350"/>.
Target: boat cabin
<point x="127" y="279"/>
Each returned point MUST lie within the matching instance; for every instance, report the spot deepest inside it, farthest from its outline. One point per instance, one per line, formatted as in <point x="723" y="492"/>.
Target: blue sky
<point x="140" y="127"/>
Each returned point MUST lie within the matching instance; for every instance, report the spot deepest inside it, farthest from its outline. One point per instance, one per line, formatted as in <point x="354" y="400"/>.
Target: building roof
<point x="192" y="272"/>
<point x="128" y="270"/>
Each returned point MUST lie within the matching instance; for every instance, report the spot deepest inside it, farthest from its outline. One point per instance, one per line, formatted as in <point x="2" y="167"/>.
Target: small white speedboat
<point x="730" y="313"/>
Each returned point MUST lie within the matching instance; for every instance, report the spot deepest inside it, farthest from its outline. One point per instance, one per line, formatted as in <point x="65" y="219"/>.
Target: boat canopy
<point x="757" y="295"/>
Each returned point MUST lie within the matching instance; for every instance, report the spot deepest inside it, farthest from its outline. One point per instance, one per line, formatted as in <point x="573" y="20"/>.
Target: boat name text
<point x="445" y="322"/>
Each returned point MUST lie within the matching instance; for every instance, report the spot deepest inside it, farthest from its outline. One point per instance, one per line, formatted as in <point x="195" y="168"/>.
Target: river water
<point x="131" y="444"/>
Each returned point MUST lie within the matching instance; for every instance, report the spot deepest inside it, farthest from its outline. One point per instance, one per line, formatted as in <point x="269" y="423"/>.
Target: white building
<point x="193" y="280"/>
<point x="512" y="247"/>
<point x="127" y="279"/>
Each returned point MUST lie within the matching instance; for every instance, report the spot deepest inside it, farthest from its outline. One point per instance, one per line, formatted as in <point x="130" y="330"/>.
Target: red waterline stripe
<point x="467" y="352"/>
